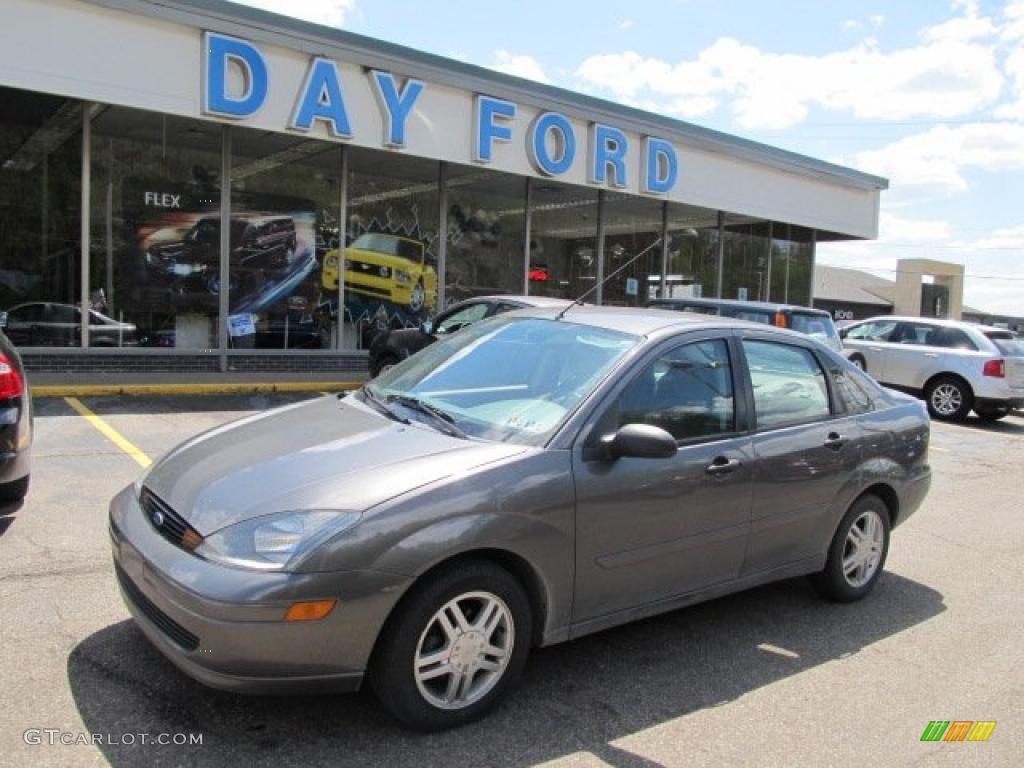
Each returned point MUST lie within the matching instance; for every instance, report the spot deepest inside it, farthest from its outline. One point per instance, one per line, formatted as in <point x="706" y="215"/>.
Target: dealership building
<point x="195" y="176"/>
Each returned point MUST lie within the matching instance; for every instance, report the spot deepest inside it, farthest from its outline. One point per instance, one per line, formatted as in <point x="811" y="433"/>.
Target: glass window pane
<point x="692" y="253"/>
<point x="789" y="385"/>
<point x="852" y="391"/>
<point x="391" y="275"/>
<point x="462" y="317"/>
<point x="687" y="392"/>
<point x="486" y="229"/>
<point x="155" y="256"/>
<point x="40" y="213"/>
<point x="632" y="234"/>
<point x="746" y="263"/>
<point x="285" y="204"/>
<point x="563" y="240"/>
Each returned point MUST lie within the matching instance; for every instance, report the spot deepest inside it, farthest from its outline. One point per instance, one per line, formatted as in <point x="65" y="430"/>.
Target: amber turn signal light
<point x="309" y="610"/>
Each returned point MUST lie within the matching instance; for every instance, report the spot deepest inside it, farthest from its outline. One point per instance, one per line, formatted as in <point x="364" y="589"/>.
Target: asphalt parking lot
<point x="772" y="677"/>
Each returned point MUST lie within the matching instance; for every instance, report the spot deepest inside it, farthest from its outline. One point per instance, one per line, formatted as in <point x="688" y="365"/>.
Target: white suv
<point x="955" y="366"/>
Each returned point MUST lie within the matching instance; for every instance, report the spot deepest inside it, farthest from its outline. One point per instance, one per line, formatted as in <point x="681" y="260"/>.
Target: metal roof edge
<point x="288" y="32"/>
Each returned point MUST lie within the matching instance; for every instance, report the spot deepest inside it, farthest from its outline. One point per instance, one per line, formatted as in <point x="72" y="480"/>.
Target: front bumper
<point x="224" y="626"/>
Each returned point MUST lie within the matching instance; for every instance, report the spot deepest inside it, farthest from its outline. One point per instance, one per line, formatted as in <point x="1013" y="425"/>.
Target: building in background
<point x="220" y="188"/>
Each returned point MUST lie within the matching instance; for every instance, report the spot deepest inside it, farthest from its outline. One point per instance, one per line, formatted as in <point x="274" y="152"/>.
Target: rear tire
<point x="859" y="361"/>
<point x="857" y="553"/>
<point x="949" y="398"/>
<point x="992" y="414"/>
<point x="14" y="491"/>
<point x="383" y="364"/>
<point x="427" y="647"/>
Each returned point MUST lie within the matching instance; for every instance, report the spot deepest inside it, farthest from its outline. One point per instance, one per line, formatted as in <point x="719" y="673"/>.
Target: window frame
<point x="834" y="410"/>
<point x="590" y="435"/>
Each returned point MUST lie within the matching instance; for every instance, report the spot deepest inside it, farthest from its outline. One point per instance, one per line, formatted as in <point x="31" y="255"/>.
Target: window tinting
<point x="880" y="330"/>
<point x="789" y="385"/>
<point x="951" y="338"/>
<point x="1007" y="343"/>
<point x="687" y="392"/>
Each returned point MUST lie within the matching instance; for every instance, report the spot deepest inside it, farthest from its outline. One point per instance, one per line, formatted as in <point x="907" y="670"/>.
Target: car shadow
<point x="1012" y="424"/>
<point x="575" y="697"/>
<point x="8" y="511"/>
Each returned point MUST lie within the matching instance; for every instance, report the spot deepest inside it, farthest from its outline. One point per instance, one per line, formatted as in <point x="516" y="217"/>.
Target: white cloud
<point x="626" y="24"/>
<point x="851" y="24"/>
<point x="895" y="229"/>
<point x="1004" y="238"/>
<point x="520" y="66"/>
<point x="877" y="20"/>
<point x="938" y="157"/>
<point x="952" y="72"/>
<point x="331" y="13"/>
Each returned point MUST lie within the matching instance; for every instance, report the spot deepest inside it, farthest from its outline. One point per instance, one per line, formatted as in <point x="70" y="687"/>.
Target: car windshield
<point x="1006" y="343"/>
<point x="508" y="379"/>
<point x="389" y="244"/>
<point x="819" y="327"/>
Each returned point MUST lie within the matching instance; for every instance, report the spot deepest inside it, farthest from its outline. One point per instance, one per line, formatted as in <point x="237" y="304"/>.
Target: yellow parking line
<point x="109" y="432"/>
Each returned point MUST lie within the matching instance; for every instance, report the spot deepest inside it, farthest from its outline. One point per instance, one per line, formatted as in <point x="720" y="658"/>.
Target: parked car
<point x="520" y="483"/>
<point x="954" y="366"/>
<point x="391" y="347"/>
<point x="811" y="322"/>
<point x="51" y="324"/>
<point x="15" y="423"/>
<point x="257" y="243"/>
<point x="387" y="267"/>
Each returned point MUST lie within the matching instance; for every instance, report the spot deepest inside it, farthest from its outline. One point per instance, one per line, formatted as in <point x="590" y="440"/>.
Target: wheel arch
<point x="888" y="496"/>
<point x="946" y="375"/>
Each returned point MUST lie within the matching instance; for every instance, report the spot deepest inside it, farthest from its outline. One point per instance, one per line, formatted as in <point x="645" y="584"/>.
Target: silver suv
<point x="955" y="366"/>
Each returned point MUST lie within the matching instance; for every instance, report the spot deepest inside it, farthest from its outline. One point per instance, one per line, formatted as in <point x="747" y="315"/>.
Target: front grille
<point x="174" y="631"/>
<point x="167" y="522"/>
<point x="365" y="268"/>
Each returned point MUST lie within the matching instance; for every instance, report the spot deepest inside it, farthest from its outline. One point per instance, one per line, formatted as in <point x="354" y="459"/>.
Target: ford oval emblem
<point x="158" y="518"/>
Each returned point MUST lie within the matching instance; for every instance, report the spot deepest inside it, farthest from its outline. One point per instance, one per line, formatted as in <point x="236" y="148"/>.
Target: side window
<point x="917" y="334"/>
<point x="30" y="313"/>
<point x="504" y="307"/>
<point x="853" y="392"/>
<point x="952" y="338"/>
<point x="687" y="392"/>
<point x="63" y="313"/>
<point x="789" y="385"/>
<point x="753" y="317"/>
<point x="880" y="330"/>
<point x="464" y="316"/>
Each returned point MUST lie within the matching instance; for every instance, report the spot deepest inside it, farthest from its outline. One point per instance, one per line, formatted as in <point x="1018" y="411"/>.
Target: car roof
<point x="963" y="324"/>
<point x="644" y="321"/>
<point x="769" y="306"/>
<point x="528" y="301"/>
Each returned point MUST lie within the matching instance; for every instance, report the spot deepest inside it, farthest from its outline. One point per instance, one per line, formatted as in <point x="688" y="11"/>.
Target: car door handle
<point x="835" y="441"/>
<point x="722" y="466"/>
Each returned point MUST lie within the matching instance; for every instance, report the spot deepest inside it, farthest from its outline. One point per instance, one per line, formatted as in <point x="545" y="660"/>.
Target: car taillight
<point x="780" y="320"/>
<point x="996" y="368"/>
<point x="11" y="384"/>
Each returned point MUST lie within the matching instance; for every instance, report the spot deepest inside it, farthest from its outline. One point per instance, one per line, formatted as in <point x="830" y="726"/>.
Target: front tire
<point x="857" y="553"/>
<point x="417" y="298"/>
<point x="454" y="647"/>
<point x="949" y="398"/>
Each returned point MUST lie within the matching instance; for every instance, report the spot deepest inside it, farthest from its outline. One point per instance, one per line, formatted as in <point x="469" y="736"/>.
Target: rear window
<point x="1007" y="344"/>
<point x="819" y="327"/>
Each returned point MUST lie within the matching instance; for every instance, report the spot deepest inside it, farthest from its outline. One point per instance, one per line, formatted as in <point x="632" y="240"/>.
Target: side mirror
<point x="427" y="327"/>
<point x="3" y="319"/>
<point x="639" y="441"/>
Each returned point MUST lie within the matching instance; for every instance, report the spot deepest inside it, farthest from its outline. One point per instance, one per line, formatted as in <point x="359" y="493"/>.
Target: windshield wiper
<point x="444" y="419"/>
<point x="381" y="406"/>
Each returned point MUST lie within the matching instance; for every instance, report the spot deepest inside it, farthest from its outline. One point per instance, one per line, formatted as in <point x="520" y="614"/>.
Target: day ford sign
<point x="550" y="142"/>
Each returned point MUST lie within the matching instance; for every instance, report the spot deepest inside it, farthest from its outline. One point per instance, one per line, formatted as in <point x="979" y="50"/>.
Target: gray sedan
<point x="531" y="479"/>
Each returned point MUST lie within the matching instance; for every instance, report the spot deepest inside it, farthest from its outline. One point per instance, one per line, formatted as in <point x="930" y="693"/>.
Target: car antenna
<point x="579" y="301"/>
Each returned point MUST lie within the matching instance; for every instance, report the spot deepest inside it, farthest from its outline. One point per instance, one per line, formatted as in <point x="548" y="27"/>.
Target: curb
<point x="213" y="388"/>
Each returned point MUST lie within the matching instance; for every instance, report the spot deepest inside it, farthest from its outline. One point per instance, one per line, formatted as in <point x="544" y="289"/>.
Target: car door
<point x="22" y="325"/>
<point x="806" y="449"/>
<point x="871" y="340"/>
<point x="649" y="529"/>
<point x="912" y="356"/>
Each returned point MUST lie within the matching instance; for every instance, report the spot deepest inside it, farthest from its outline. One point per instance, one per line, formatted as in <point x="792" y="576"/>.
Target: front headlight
<point x="272" y="541"/>
<point x="402" y="276"/>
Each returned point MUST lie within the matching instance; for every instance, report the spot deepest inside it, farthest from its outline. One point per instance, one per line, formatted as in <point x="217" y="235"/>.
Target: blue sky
<point x="928" y="94"/>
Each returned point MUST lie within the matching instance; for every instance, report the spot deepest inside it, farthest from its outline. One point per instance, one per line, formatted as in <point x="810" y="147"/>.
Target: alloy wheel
<point x="947" y="399"/>
<point x="862" y="552"/>
<point x="464" y="650"/>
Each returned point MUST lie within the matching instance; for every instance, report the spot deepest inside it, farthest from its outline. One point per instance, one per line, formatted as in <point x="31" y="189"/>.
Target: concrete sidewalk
<point x="195" y="383"/>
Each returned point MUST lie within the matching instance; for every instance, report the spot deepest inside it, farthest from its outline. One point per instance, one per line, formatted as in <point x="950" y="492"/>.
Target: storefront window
<point x="692" y="252"/>
<point x="563" y="240"/>
<point x="792" y="261"/>
<point x="632" y="233"/>
<point x="746" y="268"/>
<point x="285" y="211"/>
<point x="155" y="228"/>
<point x="486" y="227"/>
<point x="40" y="218"/>
<point x="391" y="278"/>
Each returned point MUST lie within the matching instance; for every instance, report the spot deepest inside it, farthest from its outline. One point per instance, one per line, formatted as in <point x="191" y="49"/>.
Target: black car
<point x="15" y="424"/>
<point x="51" y="324"/>
<point x="391" y="347"/>
<point x="812" y="322"/>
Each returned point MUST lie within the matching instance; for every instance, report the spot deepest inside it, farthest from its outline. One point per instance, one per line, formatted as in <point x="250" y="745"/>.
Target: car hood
<point x="327" y="453"/>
